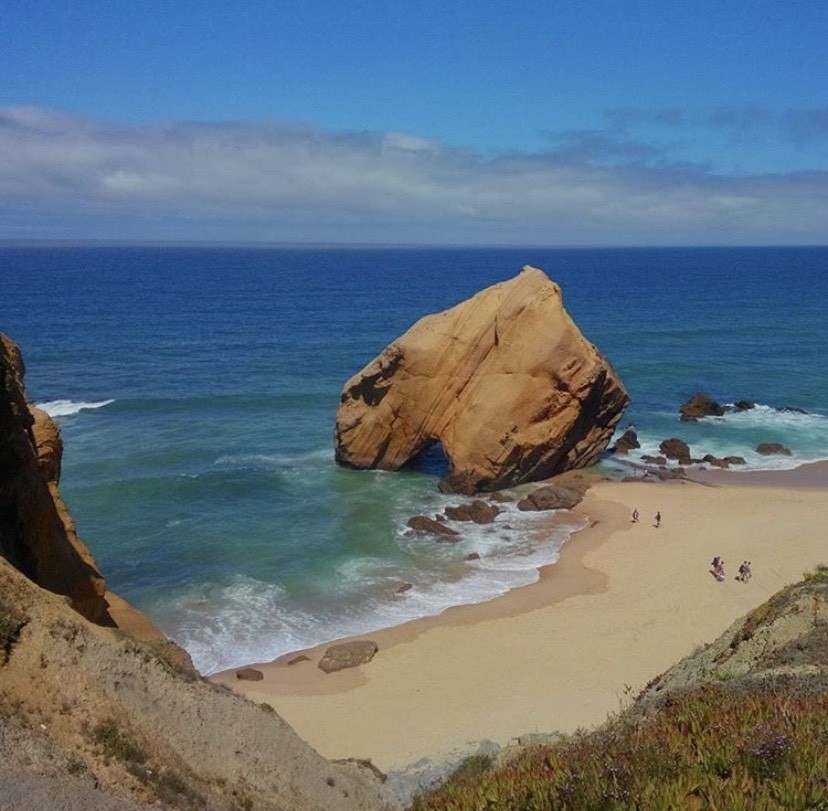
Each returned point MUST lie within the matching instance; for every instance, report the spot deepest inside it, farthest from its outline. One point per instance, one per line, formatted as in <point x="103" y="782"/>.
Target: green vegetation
<point x="819" y="575"/>
<point x="168" y="786"/>
<point x="116" y="744"/>
<point x="11" y="623"/>
<point x="707" y="748"/>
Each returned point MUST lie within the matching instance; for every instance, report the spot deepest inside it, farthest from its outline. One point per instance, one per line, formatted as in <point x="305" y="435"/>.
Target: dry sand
<point x="624" y="602"/>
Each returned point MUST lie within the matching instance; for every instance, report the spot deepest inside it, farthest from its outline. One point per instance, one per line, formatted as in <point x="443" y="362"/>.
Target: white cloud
<point x="265" y="180"/>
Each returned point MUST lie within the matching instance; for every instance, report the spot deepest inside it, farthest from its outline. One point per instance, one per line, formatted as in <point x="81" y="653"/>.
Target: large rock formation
<point x="504" y="381"/>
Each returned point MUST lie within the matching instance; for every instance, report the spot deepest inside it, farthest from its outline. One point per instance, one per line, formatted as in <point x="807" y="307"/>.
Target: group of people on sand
<point x="717" y="570"/>
<point x="656" y="520"/>
<point x="716" y="565"/>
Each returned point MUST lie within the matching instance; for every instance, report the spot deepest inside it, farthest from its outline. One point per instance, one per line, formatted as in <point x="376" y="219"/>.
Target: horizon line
<point x="14" y="242"/>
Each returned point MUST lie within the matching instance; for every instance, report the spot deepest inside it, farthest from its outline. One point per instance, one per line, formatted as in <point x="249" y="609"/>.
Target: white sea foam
<point x="68" y="408"/>
<point x="253" y="621"/>
<point x="739" y="433"/>
<point x="275" y="461"/>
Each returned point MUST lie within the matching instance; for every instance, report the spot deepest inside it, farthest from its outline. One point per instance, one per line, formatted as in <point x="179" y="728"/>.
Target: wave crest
<point x="68" y="408"/>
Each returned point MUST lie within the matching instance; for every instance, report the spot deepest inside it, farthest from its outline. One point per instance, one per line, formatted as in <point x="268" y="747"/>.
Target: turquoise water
<point x="197" y="389"/>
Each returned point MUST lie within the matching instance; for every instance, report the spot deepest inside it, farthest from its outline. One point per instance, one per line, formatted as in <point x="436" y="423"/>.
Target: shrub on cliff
<point x="707" y="748"/>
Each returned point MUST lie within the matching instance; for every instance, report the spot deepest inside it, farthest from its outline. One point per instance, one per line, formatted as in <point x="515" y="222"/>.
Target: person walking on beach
<point x="717" y="568"/>
<point x="635" y="516"/>
<point x="657" y="520"/>
<point x="744" y="571"/>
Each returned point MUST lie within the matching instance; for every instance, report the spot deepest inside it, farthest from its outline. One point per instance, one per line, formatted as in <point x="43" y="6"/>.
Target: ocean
<point x="196" y="389"/>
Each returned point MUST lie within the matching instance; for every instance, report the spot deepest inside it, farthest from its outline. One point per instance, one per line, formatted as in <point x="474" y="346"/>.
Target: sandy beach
<point x="624" y="602"/>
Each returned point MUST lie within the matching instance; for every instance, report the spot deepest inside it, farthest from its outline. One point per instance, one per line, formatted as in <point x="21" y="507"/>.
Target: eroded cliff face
<point x="94" y="718"/>
<point x="37" y="534"/>
<point x="505" y="382"/>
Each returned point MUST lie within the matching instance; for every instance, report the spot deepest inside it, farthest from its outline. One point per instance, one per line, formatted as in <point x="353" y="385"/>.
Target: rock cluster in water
<point x="505" y="381"/>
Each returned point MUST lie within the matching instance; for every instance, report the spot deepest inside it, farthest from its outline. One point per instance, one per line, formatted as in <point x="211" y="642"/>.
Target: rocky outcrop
<point x="504" y="381"/>
<point x="94" y="718"/>
<point x="785" y="638"/>
<point x="89" y="705"/>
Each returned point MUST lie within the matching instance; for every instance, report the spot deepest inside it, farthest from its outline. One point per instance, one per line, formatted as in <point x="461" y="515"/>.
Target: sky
<point x="582" y="122"/>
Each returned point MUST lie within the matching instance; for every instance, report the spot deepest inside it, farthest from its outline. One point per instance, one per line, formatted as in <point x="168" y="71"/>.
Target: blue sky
<point x="596" y="123"/>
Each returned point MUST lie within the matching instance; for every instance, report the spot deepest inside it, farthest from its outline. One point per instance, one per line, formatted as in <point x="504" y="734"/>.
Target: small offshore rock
<point x="699" y="406"/>
<point x="403" y="588"/>
<point x="714" y="460"/>
<point x="472" y="556"/>
<point x="477" y="511"/>
<point x="675" y="448"/>
<point x="768" y="448"/>
<point x="744" y="405"/>
<point x="348" y="654"/>
<point x="422" y="523"/>
<point x="735" y="460"/>
<point x="627" y="441"/>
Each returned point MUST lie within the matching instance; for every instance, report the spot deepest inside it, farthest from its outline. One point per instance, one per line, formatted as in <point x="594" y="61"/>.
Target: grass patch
<point x="11" y="623"/>
<point x="116" y="744"/>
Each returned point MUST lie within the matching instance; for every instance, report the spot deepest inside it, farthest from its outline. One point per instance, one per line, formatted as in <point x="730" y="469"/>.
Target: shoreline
<point x="555" y="655"/>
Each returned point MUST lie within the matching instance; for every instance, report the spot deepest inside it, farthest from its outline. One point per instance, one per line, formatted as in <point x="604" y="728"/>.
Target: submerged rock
<point x="422" y="523"/>
<point x="504" y="381"/>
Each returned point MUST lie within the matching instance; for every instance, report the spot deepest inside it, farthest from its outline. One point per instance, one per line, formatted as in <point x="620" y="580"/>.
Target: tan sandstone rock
<point x="505" y="381"/>
<point x="348" y="654"/>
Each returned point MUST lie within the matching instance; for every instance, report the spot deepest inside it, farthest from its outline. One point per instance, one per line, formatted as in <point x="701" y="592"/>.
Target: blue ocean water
<point x="197" y="387"/>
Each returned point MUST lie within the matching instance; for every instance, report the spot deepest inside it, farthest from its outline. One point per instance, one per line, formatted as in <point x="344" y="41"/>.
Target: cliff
<point x="505" y="381"/>
<point x="92" y="717"/>
<point x="37" y="534"/>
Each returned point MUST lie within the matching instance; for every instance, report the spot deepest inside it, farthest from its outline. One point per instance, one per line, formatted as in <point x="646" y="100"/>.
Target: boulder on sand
<point x="347" y="654"/>
<point x="506" y="383"/>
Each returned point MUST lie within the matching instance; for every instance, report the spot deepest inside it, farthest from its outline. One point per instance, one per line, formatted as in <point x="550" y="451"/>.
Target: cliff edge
<point x="92" y="716"/>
